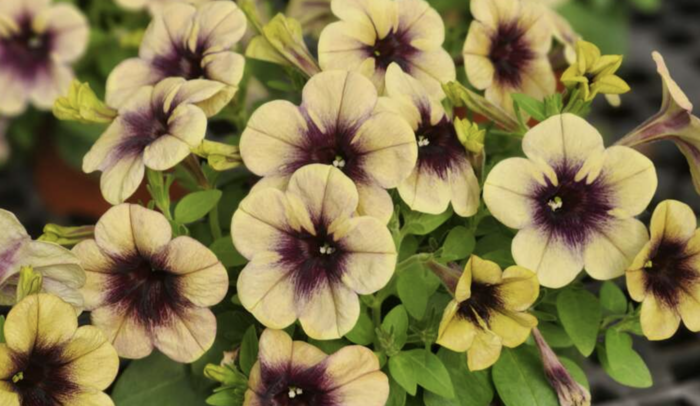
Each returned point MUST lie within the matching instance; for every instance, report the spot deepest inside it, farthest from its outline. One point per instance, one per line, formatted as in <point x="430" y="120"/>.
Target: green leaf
<point x="531" y="106"/>
<point x="555" y="335"/>
<point x="622" y="362"/>
<point x="580" y="314"/>
<point x="422" y="224"/>
<point x="227" y="253"/>
<point x="420" y="367"/>
<point x="329" y="346"/>
<point x="363" y="332"/>
<point x="226" y="397"/>
<point x="612" y="298"/>
<point x="397" y="395"/>
<point x="249" y="350"/>
<point x="520" y="380"/>
<point x="415" y="285"/>
<point x="459" y="244"/>
<point x="156" y="380"/>
<point x="196" y="205"/>
<point x="2" y="329"/>
<point x="553" y="105"/>
<point x="396" y="324"/>
<point x="471" y="388"/>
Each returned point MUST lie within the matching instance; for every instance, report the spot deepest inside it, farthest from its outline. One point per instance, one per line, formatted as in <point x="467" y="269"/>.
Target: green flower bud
<point x="81" y="104"/>
<point x="470" y="135"/>
<point x="30" y="282"/>
<point x="220" y="156"/>
<point x="67" y="236"/>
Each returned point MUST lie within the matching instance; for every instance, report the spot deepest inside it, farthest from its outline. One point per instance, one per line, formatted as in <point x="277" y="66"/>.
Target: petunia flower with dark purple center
<point x="146" y="290"/>
<point x="38" y="43"/>
<point x="373" y="34"/>
<point x="47" y="360"/>
<point x="186" y="42"/>
<point x="506" y="50"/>
<point x="154" y="6"/>
<point x="665" y="275"/>
<point x="443" y="173"/>
<point x="573" y="201"/>
<point x="310" y="255"/>
<point x="295" y="373"/>
<point x="337" y="124"/>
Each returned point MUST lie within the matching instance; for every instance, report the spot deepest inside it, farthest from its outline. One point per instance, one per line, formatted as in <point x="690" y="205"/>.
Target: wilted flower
<point x="296" y="373"/>
<point x="506" y="51"/>
<point x="154" y="6"/>
<point x="443" y="173"/>
<point x="569" y="392"/>
<point x="157" y="129"/>
<point x="373" y="34"/>
<point x="146" y="290"/>
<point x="309" y="256"/>
<point x="38" y="43"/>
<point x="573" y="201"/>
<point x="59" y="268"/>
<point x="337" y="124"/>
<point x="488" y="311"/>
<point x="665" y="275"/>
<point x="593" y="73"/>
<point x="674" y="122"/>
<point x="48" y="360"/>
<point x="190" y="43"/>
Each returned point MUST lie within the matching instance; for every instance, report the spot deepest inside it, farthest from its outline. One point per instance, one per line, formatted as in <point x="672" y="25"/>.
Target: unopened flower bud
<point x="460" y="96"/>
<point x="220" y="156"/>
<point x="81" y="104"/>
<point x="66" y="236"/>
<point x="470" y="135"/>
<point x="30" y="282"/>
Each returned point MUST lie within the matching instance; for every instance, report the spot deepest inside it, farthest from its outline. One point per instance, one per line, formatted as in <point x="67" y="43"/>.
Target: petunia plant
<point x="340" y="203"/>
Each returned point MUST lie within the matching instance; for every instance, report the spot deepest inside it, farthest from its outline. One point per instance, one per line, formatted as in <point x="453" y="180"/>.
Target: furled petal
<point x="519" y="288"/>
<point x="673" y="220"/>
<point x="512" y="328"/>
<point x="325" y="191"/>
<point x="456" y="333"/>
<point x="632" y="177"/>
<point x="188" y="335"/>
<point x="330" y="312"/>
<point x="266" y="289"/>
<point x="484" y="351"/>
<point x="273" y="138"/>
<point x="338" y="99"/>
<point x="370" y="255"/>
<point x="39" y="320"/>
<point x="127" y="78"/>
<point x="425" y="191"/>
<point x="659" y="321"/>
<point x="507" y="191"/>
<point x="555" y="262"/>
<point x="68" y="28"/>
<point x="128" y="336"/>
<point x="613" y="248"/>
<point x="13" y="240"/>
<point x="188" y="123"/>
<point x="563" y="139"/>
<point x="375" y="202"/>
<point x="260" y="222"/>
<point x="93" y="362"/>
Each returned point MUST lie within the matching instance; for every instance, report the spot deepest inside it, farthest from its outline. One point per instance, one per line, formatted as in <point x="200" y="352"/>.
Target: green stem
<point x="377" y="315"/>
<point x="572" y="100"/>
<point x="214" y="223"/>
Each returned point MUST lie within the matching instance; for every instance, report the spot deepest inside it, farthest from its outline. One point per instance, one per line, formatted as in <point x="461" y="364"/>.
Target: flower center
<point x="669" y="272"/>
<point x="182" y="62"/>
<point x="26" y="52"/>
<point x="294" y="392"/>
<point x="42" y="376"/>
<point x="510" y="53"/>
<point x="395" y="47"/>
<point x="339" y="162"/>
<point x="484" y="300"/>
<point x="143" y="128"/>
<point x="439" y="148"/>
<point x="571" y="210"/>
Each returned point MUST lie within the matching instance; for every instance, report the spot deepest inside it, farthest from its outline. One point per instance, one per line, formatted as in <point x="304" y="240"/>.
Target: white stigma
<point x="294" y="392"/>
<point x="339" y="162"/>
<point x="556" y="203"/>
<point x="327" y="249"/>
<point x="422" y="141"/>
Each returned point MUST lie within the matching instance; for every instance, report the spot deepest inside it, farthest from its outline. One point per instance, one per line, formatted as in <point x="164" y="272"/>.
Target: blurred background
<point x="40" y="157"/>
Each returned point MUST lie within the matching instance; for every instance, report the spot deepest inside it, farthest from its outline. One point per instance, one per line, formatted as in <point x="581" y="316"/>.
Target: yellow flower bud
<point x="66" y="236"/>
<point x="220" y="156"/>
<point x="460" y="96"/>
<point x="594" y="73"/>
<point x="30" y="282"/>
<point x="81" y="104"/>
<point x="470" y="135"/>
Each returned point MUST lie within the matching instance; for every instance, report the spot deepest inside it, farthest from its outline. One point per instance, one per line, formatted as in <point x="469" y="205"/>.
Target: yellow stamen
<point x="556" y="203"/>
<point x="648" y="264"/>
<point x="18" y="377"/>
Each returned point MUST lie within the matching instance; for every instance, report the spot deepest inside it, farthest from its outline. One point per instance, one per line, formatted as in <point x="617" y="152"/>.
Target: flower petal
<point x="512" y="328"/>
<point x="632" y="177"/>
<point x="659" y="321"/>
<point x="202" y="285"/>
<point x="379" y="15"/>
<point x="612" y="249"/>
<point x="456" y="333"/>
<point x="165" y="152"/>
<point x="432" y="68"/>
<point x="465" y="189"/>
<point x="370" y="255"/>
<point x="151" y="230"/>
<point x="220" y="24"/>
<point x="554" y="261"/>
<point x="260" y="222"/>
<point x="349" y="364"/>
<point x="8" y="396"/>
<point x="673" y="220"/>
<point x="13" y="240"/>
<point x="425" y="191"/>
<point x="276" y="349"/>
<point x="485" y="350"/>
<point x="485" y="271"/>
<point x="368" y="390"/>
<point x="330" y="312"/>
<point x="507" y="191"/>
<point x="519" y="288"/>
<point x="375" y="202"/>
<point x="224" y="67"/>
<point x="93" y="362"/>
<point x="493" y="12"/>
<point x="69" y="31"/>
<point x="189" y="334"/>
<point x="7" y="364"/>
<point x="39" y="320"/>
<point x="89" y="398"/>
<point x="169" y="29"/>
<point x="127" y="78"/>
<point x="128" y="336"/>
<point x="422" y="24"/>
<point x="120" y="181"/>
<point x="50" y="84"/>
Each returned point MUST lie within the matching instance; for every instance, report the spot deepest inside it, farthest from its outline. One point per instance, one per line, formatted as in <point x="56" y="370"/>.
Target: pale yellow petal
<point x="512" y="328"/>
<point x="206" y="287"/>
<point x="374" y="201"/>
<point x="519" y="288"/>
<point x="330" y="312"/>
<point x="226" y="68"/>
<point x="632" y="177"/>
<point x="128" y="336"/>
<point x="485" y="350"/>
<point x="426" y="191"/>
<point x="689" y="307"/>
<point x="370" y="255"/>
<point x="493" y="12"/>
<point x="260" y="222"/>
<point x="7" y="364"/>
<point x="151" y="230"/>
<point x="613" y="247"/>
<point x="673" y="220"/>
<point x="113" y="233"/>
<point x="465" y="189"/>
<point x="371" y="389"/>
<point x="8" y="397"/>
<point x="485" y="271"/>
<point x="305" y="355"/>
<point x="39" y="320"/>
<point x="325" y="191"/>
<point x="276" y="349"/>
<point x="380" y="15"/>
<point x="188" y="335"/>
<point x="120" y="181"/>
<point x="555" y="262"/>
<point x="69" y="29"/>
<point x="92" y="361"/>
<point x="88" y="397"/>
<point x="349" y="364"/>
<point x="659" y="321"/>
<point x="126" y="80"/>
<point x="508" y="190"/>
<point x="165" y="153"/>
<point x="188" y="123"/>
<point x="220" y="24"/>
<point x="168" y="29"/>
<point x="457" y="334"/>
<point x="432" y="69"/>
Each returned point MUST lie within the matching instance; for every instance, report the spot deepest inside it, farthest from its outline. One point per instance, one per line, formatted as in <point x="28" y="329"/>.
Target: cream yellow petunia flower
<point x="296" y="373"/>
<point x="154" y="6"/>
<point x="506" y="50"/>
<point x="675" y="122"/>
<point x="442" y="173"/>
<point x="190" y="43"/>
<point x="573" y="201"/>
<point x="310" y="256"/>
<point x="337" y="124"/>
<point x="665" y="275"/>
<point x="148" y="290"/>
<point x="157" y="128"/>
<point x="47" y="360"/>
<point x="60" y="269"/>
<point x="488" y="311"/>
<point x="373" y="34"/>
<point x="38" y="43"/>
